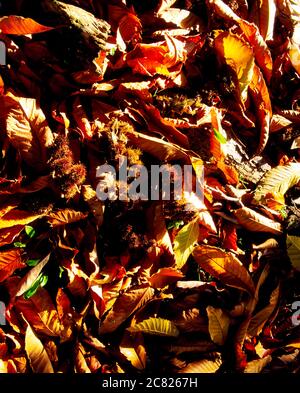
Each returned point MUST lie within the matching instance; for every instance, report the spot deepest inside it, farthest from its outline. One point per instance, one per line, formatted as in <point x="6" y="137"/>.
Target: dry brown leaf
<point x="165" y="276"/>
<point x="224" y="266"/>
<point x="256" y="366"/>
<point x="27" y="128"/>
<point x="65" y="216"/>
<point x="126" y="304"/>
<point x="37" y="355"/>
<point x="202" y="366"/>
<point x="10" y="261"/>
<point x="256" y="222"/>
<point x="218" y="324"/>
<point x="258" y="321"/>
<point x="132" y="347"/>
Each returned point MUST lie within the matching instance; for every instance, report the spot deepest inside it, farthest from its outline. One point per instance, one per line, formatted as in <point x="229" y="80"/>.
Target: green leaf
<point x="293" y="249"/>
<point x="221" y="138"/>
<point x="30" y="231"/>
<point x="175" y="224"/>
<point x="156" y="326"/>
<point x="32" y="262"/>
<point x="61" y="272"/>
<point x="19" y="245"/>
<point x="41" y="281"/>
<point x="184" y="242"/>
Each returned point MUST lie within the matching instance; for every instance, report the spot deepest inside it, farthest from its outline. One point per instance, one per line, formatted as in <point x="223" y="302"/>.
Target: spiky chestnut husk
<point x="112" y="142"/>
<point x="67" y="176"/>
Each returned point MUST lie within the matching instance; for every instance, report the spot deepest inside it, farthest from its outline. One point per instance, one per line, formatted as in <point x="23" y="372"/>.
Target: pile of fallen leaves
<point x="189" y="285"/>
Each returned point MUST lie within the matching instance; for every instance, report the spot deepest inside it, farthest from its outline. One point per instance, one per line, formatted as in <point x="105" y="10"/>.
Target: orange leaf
<point x="7" y="236"/>
<point x="18" y="217"/>
<point x="9" y="262"/>
<point x="65" y="216"/>
<point x="165" y="276"/>
<point x="18" y="25"/>
<point x="261" y="98"/>
<point x="132" y="347"/>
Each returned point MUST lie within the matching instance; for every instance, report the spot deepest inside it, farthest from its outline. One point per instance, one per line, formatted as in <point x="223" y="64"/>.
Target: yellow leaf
<point x="202" y="366"/>
<point x="156" y="326"/>
<point x="224" y="266"/>
<point x="18" y="217"/>
<point x="256" y="366"/>
<point x="132" y="347"/>
<point x="37" y="355"/>
<point x="218" y="324"/>
<point x="278" y="181"/>
<point x="184" y="242"/>
<point x="238" y="55"/>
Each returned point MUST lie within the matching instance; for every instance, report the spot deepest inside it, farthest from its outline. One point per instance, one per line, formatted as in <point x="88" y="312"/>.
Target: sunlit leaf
<point x="41" y="313"/>
<point x="10" y="261"/>
<point x="156" y="326"/>
<point x="132" y="347"/>
<point x="30" y="231"/>
<point x="18" y="25"/>
<point x="256" y="366"/>
<point x="65" y="216"/>
<point x="184" y="242"/>
<point x="27" y="128"/>
<point x="41" y="281"/>
<point x="28" y="280"/>
<point x="18" y="217"/>
<point x="239" y="57"/>
<point x="224" y="266"/>
<point x="37" y="355"/>
<point x="202" y="366"/>
<point x="165" y="276"/>
<point x="278" y="180"/>
<point x="256" y="222"/>
<point x="126" y="304"/>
